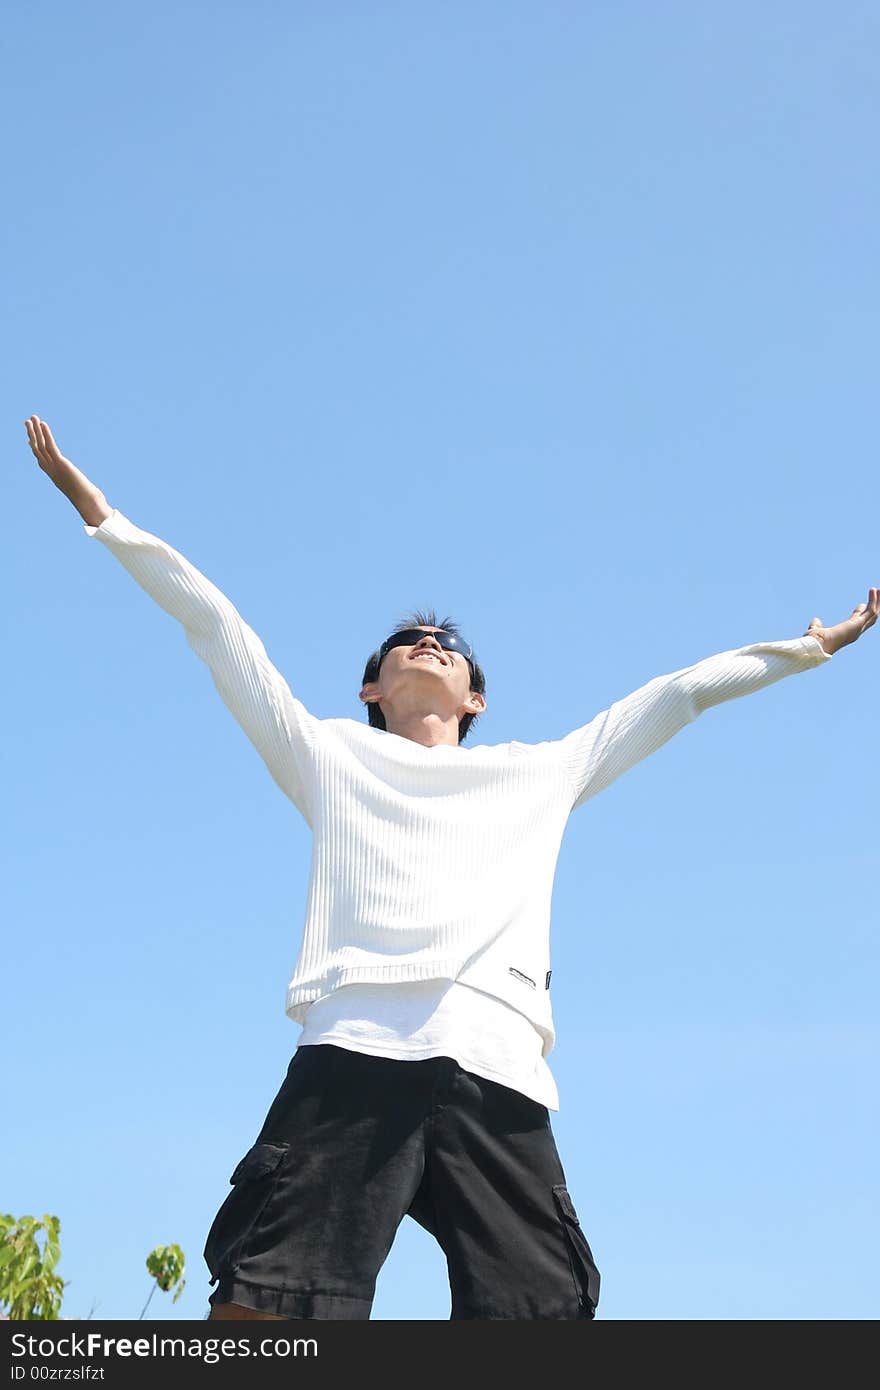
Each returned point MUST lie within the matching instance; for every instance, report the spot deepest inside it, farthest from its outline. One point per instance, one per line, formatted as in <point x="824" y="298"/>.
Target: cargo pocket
<point x="253" y="1182"/>
<point x="580" y="1256"/>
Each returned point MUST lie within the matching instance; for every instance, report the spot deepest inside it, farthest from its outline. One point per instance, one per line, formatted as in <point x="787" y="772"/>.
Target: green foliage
<point x="29" y="1286"/>
<point x="166" y="1264"/>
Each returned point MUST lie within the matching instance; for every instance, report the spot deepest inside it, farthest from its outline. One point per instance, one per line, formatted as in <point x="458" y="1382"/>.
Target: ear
<point x="475" y="703"/>
<point x="368" y="692"/>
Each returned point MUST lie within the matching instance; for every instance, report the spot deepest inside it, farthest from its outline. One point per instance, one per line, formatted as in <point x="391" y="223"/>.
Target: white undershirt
<point x="436" y="1018"/>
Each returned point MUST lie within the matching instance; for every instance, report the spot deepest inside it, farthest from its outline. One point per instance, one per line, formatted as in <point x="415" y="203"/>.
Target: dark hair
<point x="371" y="670"/>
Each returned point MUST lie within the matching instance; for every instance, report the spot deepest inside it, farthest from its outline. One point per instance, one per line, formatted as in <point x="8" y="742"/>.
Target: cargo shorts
<point x="352" y="1144"/>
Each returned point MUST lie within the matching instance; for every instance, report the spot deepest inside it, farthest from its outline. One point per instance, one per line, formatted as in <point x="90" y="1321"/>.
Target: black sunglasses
<point x="447" y="640"/>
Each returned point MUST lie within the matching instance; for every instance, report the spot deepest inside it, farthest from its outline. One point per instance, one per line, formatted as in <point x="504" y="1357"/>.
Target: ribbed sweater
<point x="429" y="862"/>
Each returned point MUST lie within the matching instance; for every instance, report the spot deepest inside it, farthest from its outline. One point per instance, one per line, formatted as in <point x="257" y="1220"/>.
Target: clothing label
<point x="520" y="976"/>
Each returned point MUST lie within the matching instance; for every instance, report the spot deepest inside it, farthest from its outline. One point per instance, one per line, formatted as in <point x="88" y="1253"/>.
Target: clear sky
<point x="560" y="318"/>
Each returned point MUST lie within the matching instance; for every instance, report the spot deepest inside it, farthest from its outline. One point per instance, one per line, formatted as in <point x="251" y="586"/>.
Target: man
<point x="419" y="1085"/>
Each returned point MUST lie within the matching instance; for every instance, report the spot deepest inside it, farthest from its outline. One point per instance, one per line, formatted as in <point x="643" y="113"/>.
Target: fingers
<point x="869" y="611"/>
<point x="50" y="444"/>
<point x="40" y="439"/>
<point x="33" y="437"/>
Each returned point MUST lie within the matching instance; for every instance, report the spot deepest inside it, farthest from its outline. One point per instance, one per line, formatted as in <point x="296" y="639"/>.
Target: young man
<point x="420" y="1084"/>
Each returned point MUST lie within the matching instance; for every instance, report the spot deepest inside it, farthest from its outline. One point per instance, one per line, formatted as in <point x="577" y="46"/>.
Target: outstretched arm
<point x="632" y="728"/>
<point x="257" y="695"/>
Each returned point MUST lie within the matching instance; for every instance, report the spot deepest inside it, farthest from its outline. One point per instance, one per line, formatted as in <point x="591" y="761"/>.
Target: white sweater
<point x="429" y="863"/>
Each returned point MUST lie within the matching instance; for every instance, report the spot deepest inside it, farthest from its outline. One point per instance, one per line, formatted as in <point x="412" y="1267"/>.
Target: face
<point x="414" y="677"/>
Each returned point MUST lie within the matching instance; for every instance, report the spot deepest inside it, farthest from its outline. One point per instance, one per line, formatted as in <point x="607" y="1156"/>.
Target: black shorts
<point x="353" y="1143"/>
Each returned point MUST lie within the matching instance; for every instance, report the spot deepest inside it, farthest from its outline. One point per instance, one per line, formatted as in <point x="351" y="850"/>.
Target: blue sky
<point x="559" y="318"/>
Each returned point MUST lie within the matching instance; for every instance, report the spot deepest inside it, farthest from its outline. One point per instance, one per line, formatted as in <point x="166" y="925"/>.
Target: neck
<point x="427" y="729"/>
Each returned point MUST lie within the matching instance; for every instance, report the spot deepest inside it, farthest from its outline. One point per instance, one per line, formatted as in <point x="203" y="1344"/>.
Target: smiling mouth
<point x="428" y="656"/>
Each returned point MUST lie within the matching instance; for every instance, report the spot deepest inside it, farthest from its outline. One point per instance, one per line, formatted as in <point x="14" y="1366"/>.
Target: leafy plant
<point x="166" y="1264"/>
<point x="29" y="1286"/>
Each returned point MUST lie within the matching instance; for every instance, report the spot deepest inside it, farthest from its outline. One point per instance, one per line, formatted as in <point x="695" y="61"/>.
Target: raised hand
<point x="45" y="450"/>
<point x="863" y="616"/>
<point x="89" y="500"/>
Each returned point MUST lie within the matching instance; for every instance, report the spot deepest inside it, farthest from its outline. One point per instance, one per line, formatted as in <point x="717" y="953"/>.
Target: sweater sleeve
<point x="629" y="730"/>
<point x="279" y="726"/>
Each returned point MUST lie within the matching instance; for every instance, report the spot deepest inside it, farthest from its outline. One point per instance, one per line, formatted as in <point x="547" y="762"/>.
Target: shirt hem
<point x="421" y="1054"/>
